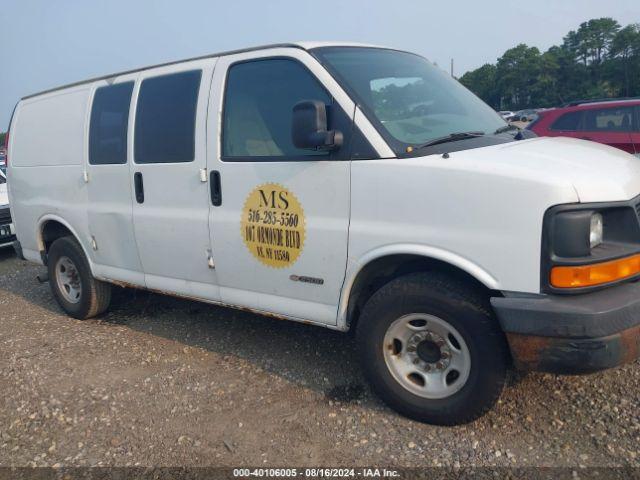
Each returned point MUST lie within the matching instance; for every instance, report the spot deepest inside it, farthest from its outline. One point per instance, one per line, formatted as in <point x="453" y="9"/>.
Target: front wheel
<point x="432" y="350"/>
<point x="72" y="285"/>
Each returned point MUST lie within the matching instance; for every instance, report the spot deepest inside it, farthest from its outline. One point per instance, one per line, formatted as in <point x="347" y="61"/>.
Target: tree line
<point x="601" y="59"/>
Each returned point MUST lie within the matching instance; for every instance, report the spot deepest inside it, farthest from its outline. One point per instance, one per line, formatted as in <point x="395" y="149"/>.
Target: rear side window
<point x="166" y="118"/>
<point x="109" y="123"/>
<point x="258" y="109"/>
<point x="568" y="122"/>
<point x="608" y="119"/>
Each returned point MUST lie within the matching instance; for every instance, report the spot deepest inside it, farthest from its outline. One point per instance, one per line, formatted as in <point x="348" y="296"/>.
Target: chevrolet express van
<point x="351" y="187"/>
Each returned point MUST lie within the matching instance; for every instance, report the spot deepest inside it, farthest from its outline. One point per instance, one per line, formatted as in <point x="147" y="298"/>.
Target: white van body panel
<point x="597" y="171"/>
<point x="49" y="130"/>
<point x="45" y="174"/>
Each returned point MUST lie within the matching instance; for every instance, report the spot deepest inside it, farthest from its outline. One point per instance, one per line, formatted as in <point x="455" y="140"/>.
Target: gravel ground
<point x="166" y="382"/>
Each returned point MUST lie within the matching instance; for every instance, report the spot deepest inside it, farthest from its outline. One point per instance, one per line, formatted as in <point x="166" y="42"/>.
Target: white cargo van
<point x="345" y="186"/>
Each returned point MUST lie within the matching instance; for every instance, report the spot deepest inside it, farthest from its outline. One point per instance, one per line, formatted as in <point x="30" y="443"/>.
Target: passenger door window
<point x="166" y="118"/>
<point x="608" y="119"/>
<point x="569" y="122"/>
<point x="258" y="106"/>
<point x="109" y="124"/>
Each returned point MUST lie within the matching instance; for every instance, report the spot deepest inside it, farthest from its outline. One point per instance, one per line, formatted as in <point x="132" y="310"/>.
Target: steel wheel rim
<point x="68" y="280"/>
<point x="426" y="355"/>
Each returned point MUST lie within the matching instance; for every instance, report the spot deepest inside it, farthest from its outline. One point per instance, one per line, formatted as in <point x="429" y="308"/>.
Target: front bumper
<point x="572" y="334"/>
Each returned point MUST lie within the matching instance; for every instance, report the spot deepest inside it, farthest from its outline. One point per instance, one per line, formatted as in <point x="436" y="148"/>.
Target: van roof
<point x="307" y="45"/>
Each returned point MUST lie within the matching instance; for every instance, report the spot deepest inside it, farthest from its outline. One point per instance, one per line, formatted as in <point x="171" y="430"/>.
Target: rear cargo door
<point x="169" y="179"/>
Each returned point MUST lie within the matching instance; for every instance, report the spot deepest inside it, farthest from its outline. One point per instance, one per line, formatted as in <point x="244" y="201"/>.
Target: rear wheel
<point x="72" y="285"/>
<point x="432" y="349"/>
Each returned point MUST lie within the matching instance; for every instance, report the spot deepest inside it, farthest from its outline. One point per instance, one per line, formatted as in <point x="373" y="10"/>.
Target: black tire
<point x="95" y="295"/>
<point x="464" y="308"/>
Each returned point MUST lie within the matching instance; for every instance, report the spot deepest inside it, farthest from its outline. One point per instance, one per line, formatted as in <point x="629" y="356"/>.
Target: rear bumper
<point x="572" y="334"/>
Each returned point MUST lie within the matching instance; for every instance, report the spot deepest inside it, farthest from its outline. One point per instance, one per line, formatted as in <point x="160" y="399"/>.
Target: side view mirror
<point x="309" y="127"/>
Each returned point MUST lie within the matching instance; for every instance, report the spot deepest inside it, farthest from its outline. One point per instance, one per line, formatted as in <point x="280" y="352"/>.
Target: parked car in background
<point x="7" y="232"/>
<point x="506" y="114"/>
<point x="524" y="115"/>
<point x="3" y="161"/>
<point x="612" y="122"/>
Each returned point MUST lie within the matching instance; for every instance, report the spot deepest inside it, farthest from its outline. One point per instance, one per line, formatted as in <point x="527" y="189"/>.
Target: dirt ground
<point x="166" y="382"/>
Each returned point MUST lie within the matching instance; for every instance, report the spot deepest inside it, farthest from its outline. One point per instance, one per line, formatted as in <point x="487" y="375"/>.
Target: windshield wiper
<point x="505" y="129"/>
<point x="452" y="137"/>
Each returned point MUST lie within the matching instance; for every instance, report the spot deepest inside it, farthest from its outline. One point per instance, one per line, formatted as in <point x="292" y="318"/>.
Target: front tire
<point x="74" y="288"/>
<point x="432" y="349"/>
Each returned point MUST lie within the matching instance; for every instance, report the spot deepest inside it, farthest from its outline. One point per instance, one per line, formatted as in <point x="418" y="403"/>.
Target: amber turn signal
<point x="596" y="273"/>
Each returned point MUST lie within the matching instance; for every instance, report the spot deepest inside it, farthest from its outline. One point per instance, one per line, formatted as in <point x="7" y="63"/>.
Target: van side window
<point x="109" y="124"/>
<point x="569" y="122"/>
<point x="258" y="109"/>
<point x="166" y="118"/>
<point x="608" y="119"/>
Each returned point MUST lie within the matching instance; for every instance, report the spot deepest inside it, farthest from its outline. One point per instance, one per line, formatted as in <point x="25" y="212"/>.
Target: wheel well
<point x="50" y="232"/>
<point x="382" y="270"/>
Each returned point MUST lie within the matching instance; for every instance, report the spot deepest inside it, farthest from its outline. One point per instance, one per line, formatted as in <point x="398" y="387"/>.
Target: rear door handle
<point x="216" y="188"/>
<point x="139" y="186"/>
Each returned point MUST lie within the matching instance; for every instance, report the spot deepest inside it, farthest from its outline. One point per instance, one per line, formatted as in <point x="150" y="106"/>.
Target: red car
<point x="612" y="122"/>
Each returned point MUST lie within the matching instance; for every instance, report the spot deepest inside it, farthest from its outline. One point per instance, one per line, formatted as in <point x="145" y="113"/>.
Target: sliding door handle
<point x="216" y="188"/>
<point x="139" y="187"/>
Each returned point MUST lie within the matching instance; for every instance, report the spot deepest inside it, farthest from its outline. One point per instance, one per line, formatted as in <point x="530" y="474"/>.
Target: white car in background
<point x="7" y="232"/>
<point x="506" y="114"/>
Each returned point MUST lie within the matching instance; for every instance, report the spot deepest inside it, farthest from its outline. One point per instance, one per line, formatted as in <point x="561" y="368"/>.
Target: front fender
<point x="355" y="267"/>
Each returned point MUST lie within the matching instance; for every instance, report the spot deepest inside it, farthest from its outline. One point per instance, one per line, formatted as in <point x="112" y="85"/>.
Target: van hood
<point x="597" y="173"/>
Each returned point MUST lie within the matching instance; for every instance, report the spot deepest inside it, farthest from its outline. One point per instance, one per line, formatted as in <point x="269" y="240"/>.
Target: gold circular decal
<point x="273" y="225"/>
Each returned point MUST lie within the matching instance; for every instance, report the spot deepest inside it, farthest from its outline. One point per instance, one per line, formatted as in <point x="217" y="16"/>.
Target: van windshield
<point x="410" y="101"/>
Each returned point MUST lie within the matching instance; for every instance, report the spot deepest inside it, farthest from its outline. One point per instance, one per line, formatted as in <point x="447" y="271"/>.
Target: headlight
<point x="575" y="253"/>
<point x="595" y="230"/>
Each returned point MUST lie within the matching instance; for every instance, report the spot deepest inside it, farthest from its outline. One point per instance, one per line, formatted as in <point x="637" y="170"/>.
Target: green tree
<point x="625" y="53"/>
<point x="591" y="42"/>
<point x="483" y="82"/>
<point x="599" y="59"/>
<point x="517" y="72"/>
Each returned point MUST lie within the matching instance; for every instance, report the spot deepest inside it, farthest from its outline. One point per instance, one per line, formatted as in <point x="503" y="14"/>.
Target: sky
<point x="45" y="43"/>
